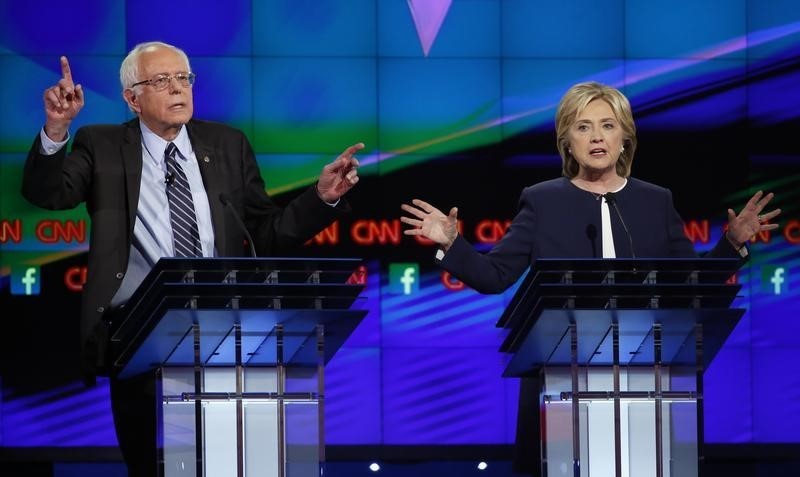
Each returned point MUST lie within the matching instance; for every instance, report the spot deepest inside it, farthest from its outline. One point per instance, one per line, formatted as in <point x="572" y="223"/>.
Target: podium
<point x="619" y="347"/>
<point x="239" y="346"/>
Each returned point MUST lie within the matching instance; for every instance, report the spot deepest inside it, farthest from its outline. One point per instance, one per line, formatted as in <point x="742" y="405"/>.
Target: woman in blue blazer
<point x="596" y="210"/>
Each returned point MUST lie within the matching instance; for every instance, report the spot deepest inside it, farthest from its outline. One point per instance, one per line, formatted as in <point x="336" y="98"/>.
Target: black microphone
<point x="611" y="198"/>
<point x="169" y="178"/>
<point x="223" y="197"/>
<point x="591" y="234"/>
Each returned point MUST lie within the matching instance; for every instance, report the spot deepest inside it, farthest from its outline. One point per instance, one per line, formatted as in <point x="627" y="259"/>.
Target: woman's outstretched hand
<point x="750" y="221"/>
<point x="429" y="222"/>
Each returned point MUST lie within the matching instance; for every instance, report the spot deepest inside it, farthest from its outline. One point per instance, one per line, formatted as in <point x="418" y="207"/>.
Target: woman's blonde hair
<point x="573" y="103"/>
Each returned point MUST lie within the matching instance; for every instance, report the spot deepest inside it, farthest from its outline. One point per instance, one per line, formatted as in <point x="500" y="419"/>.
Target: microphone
<point x="611" y="198"/>
<point x="223" y="197"/>
<point x="591" y="234"/>
<point x="169" y="178"/>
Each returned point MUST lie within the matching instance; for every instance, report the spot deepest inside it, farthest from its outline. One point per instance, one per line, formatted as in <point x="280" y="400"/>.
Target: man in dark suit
<point x="131" y="174"/>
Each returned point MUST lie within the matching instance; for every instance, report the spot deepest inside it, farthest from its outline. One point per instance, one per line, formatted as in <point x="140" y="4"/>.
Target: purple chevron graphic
<point x="428" y="17"/>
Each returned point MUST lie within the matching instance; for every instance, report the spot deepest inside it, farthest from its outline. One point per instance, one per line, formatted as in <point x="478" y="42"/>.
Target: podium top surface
<point x="728" y="265"/>
<point x="255" y="263"/>
<point x="219" y="294"/>
<point x="630" y="280"/>
<point x="240" y="272"/>
<point x="331" y="270"/>
<point x="634" y="294"/>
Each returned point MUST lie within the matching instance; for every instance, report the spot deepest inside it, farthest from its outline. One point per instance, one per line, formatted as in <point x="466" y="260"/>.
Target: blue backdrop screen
<point x="455" y="101"/>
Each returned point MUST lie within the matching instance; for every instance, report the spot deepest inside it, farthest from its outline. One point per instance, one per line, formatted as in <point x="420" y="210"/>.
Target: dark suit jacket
<point x="556" y="219"/>
<point x="104" y="169"/>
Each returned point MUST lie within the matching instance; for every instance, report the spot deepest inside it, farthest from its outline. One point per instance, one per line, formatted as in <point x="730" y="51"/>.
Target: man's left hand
<point x="339" y="176"/>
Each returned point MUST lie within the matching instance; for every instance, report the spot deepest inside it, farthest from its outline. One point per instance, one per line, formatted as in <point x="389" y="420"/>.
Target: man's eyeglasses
<point x="162" y="81"/>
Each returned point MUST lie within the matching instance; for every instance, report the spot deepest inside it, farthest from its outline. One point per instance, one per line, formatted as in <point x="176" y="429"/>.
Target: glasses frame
<point x="186" y="80"/>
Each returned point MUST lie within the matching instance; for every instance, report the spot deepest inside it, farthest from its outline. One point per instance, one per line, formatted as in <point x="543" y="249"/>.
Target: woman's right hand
<point x="431" y="223"/>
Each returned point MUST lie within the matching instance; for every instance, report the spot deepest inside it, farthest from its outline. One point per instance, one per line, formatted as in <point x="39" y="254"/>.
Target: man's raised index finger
<point x="353" y="149"/>
<point x="65" y="71"/>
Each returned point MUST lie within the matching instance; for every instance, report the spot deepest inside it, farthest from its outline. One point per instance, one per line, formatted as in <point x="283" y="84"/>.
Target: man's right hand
<point x="62" y="103"/>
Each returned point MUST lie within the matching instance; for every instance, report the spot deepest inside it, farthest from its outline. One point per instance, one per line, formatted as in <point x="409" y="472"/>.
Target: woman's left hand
<point x="750" y="221"/>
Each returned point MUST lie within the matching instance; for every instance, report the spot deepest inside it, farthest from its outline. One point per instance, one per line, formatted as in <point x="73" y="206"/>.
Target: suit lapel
<point x="206" y="160"/>
<point x="132" y="164"/>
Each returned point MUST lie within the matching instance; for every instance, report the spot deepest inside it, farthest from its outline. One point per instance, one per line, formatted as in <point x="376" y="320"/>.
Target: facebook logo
<point x="25" y="280"/>
<point x="774" y="280"/>
<point x="403" y="278"/>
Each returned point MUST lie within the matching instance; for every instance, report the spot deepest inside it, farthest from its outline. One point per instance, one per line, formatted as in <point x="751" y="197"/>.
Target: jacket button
<point x="120" y="275"/>
<point x="100" y="309"/>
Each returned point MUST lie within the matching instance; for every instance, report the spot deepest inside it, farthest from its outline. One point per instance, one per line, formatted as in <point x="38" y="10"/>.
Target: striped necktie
<point x="181" y="208"/>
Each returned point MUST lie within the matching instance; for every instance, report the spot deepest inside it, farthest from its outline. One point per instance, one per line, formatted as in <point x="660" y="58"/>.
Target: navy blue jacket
<point x="556" y="219"/>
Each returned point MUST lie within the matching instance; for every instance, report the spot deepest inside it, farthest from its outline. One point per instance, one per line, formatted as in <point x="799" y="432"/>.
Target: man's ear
<point x="133" y="101"/>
